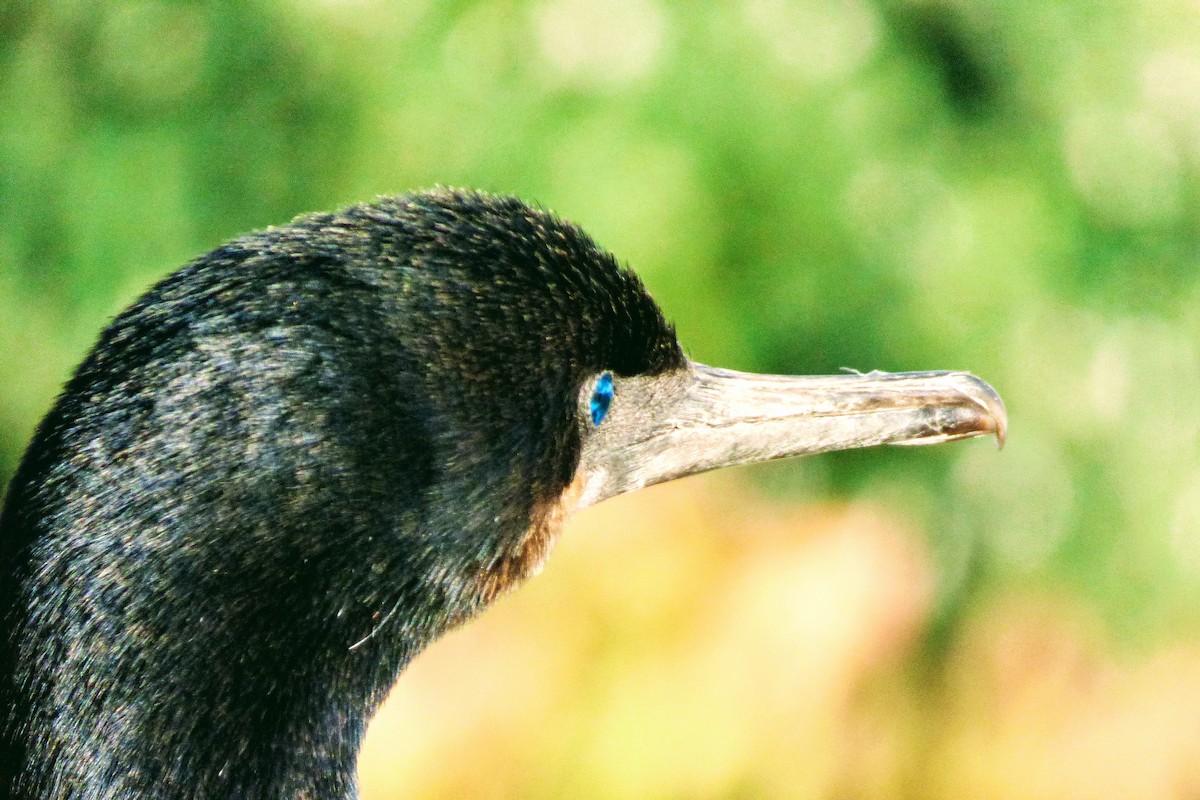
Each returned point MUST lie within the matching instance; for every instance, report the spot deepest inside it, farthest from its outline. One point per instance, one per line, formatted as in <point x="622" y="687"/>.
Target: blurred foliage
<point x="745" y="650"/>
<point x="1009" y="188"/>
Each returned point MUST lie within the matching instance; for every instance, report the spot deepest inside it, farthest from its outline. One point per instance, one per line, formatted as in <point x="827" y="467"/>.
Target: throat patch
<point x="529" y="556"/>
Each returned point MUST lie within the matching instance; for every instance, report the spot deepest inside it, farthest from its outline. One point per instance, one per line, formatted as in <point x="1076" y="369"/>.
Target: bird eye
<point x="601" y="397"/>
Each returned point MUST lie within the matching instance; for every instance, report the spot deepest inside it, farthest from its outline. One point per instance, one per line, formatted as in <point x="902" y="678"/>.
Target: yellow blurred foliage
<point x="691" y="642"/>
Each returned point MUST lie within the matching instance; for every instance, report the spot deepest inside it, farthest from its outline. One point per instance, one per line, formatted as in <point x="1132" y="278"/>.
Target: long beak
<point x="704" y="418"/>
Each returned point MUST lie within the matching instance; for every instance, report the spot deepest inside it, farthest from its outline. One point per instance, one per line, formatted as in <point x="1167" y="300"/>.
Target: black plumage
<point x="295" y="462"/>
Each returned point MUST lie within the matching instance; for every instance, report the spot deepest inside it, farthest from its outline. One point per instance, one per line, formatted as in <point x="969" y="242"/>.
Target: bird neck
<point x="130" y="715"/>
<point x="131" y="674"/>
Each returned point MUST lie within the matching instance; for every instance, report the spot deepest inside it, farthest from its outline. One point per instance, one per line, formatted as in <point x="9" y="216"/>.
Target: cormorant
<point x="299" y="459"/>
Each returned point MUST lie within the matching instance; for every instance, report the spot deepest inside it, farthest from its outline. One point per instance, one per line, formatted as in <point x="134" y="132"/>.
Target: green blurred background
<point x="1004" y="187"/>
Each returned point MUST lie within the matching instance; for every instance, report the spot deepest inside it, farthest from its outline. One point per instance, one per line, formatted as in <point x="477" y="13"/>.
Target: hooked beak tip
<point x="979" y="411"/>
<point x="989" y="400"/>
<point x="994" y="419"/>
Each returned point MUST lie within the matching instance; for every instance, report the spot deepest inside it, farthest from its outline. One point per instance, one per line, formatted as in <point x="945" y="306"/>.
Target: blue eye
<point x="601" y="397"/>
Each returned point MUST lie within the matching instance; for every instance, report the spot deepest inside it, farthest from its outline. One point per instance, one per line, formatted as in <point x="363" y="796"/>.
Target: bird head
<point x="557" y="377"/>
<point x="297" y="460"/>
